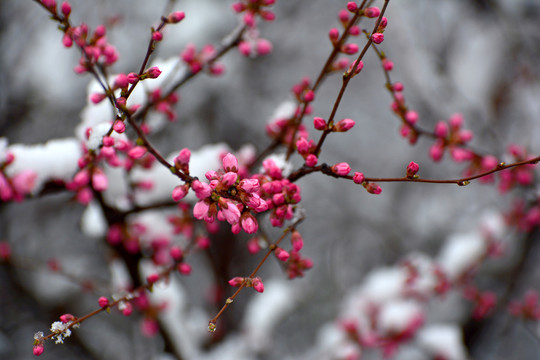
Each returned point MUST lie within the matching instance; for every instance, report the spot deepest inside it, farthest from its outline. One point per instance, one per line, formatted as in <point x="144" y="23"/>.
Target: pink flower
<point x="297" y="241"/>
<point x="350" y="49"/>
<point x="373" y="188"/>
<point x="152" y="278"/>
<point x="137" y="152"/>
<point x="263" y="47"/>
<point x="176" y="17"/>
<point x="229" y="179"/>
<point x="250" y="185"/>
<point x="103" y="302"/>
<point x="344" y="125"/>
<point x="99" y="180"/>
<point x="412" y="169"/>
<point x="230" y="211"/>
<point x="184" y="268"/>
<point x="311" y="160"/>
<point x="132" y="78"/>
<point x="309" y="96"/>
<point x="249" y="223"/>
<point x="157" y="36"/>
<point x="436" y="151"/>
<point x="333" y="34"/>
<point x="153" y="72"/>
<point x="387" y="65"/>
<point x="176" y="253"/>
<point x="372" y="12"/>
<point x="341" y="169"/>
<point x="236" y="281"/>
<point x="441" y="129"/>
<point x="24" y="182"/>
<point x="411" y="117"/>
<point x="281" y="254"/>
<point x="38" y="349"/>
<point x="351" y="6"/>
<point x="358" y="178"/>
<point x="202" y="190"/>
<point x="179" y="192"/>
<point x="66" y="9"/>
<point x="119" y="126"/>
<point x="96" y="98"/>
<point x="200" y="210"/>
<point x="257" y="284"/>
<point x="302" y="145"/>
<point x="230" y="163"/>
<point x="377" y="38"/>
<point x="319" y="123"/>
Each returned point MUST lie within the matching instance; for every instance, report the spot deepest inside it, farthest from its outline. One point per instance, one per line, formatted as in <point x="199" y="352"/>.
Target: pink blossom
<point x="200" y="210"/>
<point x="179" y="192"/>
<point x="229" y="179"/>
<point x="66" y="8"/>
<point x="373" y="188"/>
<point x="377" y="38"/>
<point x="344" y="125"/>
<point x="230" y="211"/>
<point x="152" y="278"/>
<point x="119" y="126"/>
<point x="263" y="47"/>
<point x="184" y="268"/>
<point x="302" y="145"/>
<point x="176" y="253"/>
<point x="157" y="36"/>
<point x="349" y="49"/>
<point x="230" y="163"/>
<point x="236" y="281"/>
<point x="96" y="98"/>
<point x="249" y="185"/>
<point x="176" y="17"/>
<point x="202" y="190"/>
<point x="256" y="203"/>
<point x="341" y="169"/>
<point x="153" y="72"/>
<point x="244" y="47"/>
<point x="358" y="178"/>
<point x="38" y="349"/>
<point x="103" y="302"/>
<point x="412" y="169"/>
<point x="372" y="12"/>
<point x="311" y="160"/>
<point x="24" y="182"/>
<point x="257" y="284"/>
<point x="137" y="152"/>
<point x="100" y="31"/>
<point x="333" y="34"/>
<point x="309" y="96"/>
<point x="249" y="223"/>
<point x="132" y="78"/>
<point x="319" y="123"/>
<point x="253" y="245"/>
<point x="352" y="7"/>
<point x="281" y="254"/>
<point x="121" y="81"/>
<point x="149" y="327"/>
<point x="456" y="121"/>
<point x="51" y="4"/>
<point x="411" y="117"/>
<point x="436" y="151"/>
<point x="460" y="154"/>
<point x="99" y="180"/>
<point x="297" y="241"/>
<point x="387" y="65"/>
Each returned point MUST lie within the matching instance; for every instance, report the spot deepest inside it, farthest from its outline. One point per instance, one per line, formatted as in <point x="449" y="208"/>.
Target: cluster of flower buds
<point x="196" y="61"/>
<point x="164" y="104"/>
<point x="450" y="135"/>
<point x="229" y="198"/>
<point x="253" y="9"/>
<point x="279" y="194"/>
<point x="528" y="309"/>
<point x="14" y="188"/>
<point x="522" y="175"/>
<point x="256" y="283"/>
<point x="253" y="45"/>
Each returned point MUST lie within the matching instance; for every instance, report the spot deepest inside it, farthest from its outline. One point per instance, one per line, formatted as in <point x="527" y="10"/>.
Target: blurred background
<point x="479" y="58"/>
